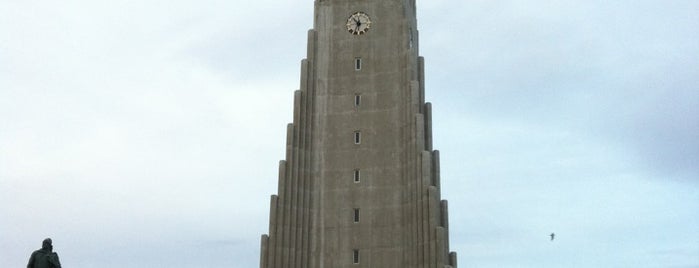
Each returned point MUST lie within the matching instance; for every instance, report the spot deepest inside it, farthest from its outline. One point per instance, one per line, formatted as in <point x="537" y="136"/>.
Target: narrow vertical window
<point x="355" y="256"/>
<point x="357" y="137"/>
<point x="356" y="215"/>
<point x="358" y="64"/>
<point x="357" y="174"/>
<point x="357" y="100"/>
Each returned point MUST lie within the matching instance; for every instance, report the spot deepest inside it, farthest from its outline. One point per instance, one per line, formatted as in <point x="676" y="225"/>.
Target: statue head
<point x="47" y="244"/>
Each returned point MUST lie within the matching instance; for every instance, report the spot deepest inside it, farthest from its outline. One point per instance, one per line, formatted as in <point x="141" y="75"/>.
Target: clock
<point x="358" y="23"/>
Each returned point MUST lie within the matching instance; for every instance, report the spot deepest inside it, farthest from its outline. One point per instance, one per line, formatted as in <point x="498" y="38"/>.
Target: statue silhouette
<point x="44" y="257"/>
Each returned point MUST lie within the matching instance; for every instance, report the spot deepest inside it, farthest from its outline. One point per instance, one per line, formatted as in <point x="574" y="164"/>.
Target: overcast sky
<point x="147" y="133"/>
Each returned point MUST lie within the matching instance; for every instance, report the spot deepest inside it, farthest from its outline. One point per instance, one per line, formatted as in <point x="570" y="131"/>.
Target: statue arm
<point x="54" y="260"/>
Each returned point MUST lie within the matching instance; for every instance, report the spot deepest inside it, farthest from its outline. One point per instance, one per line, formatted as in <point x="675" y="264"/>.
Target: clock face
<point x="358" y="23"/>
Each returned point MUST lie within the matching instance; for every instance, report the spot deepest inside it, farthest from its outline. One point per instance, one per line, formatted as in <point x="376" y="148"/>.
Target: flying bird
<point x="552" y="236"/>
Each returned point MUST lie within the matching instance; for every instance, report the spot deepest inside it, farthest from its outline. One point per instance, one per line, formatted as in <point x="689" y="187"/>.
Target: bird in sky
<point x="552" y="236"/>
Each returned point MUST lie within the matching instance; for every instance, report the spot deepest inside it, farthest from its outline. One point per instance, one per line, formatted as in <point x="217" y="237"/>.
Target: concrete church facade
<point x="360" y="185"/>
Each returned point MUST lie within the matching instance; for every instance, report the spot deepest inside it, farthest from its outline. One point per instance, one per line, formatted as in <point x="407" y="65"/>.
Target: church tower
<point x="360" y="185"/>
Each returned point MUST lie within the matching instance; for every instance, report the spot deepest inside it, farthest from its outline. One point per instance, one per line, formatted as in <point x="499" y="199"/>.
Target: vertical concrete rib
<point x="297" y="107"/>
<point x="434" y="211"/>
<point x="409" y="173"/>
<point x="278" y="203"/>
<point x="428" y="126"/>
<point x="415" y="104"/>
<point x="295" y="243"/>
<point x="289" y="146"/>
<point x="293" y="179"/>
<point x="302" y="174"/>
<point x="421" y="79"/>
<point x="279" y="207"/>
<point x="423" y="176"/>
<point x="428" y="222"/>
<point x="304" y="75"/>
<point x="265" y="250"/>
<point x="309" y="87"/>
<point x="414" y="165"/>
<point x="452" y="259"/>
<point x="314" y="194"/>
<point x="416" y="173"/>
<point x="445" y="223"/>
<point x="302" y="170"/>
<point x="420" y="135"/>
<point x="442" y="250"/>
<point x="426" y="168"/>
<point x="273" y="228"/>
<point x="285" y="200"/>
<point x="311" y="44"/>
<point x="308" y="184"/>
<point x="436" y="179"/>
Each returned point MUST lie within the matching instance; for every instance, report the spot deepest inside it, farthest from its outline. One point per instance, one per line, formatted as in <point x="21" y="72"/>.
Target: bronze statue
<point x="44" y="257"/>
